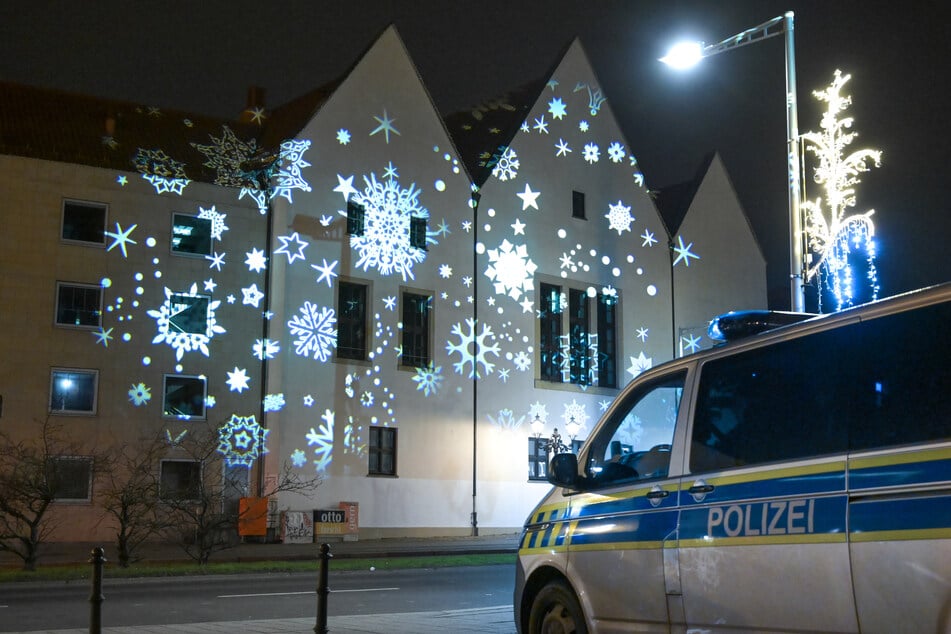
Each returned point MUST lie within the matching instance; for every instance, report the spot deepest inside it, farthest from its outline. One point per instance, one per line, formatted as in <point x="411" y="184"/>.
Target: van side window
<point x="778" y="402"/>
<point x="635" y="443"/>
<point x="901" y="392"/>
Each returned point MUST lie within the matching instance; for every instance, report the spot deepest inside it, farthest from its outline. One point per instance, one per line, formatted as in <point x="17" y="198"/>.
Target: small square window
<point x="191" y="235"/>
<point x="84" y="222"/>
<point x="577" y="205"/>
<point x="184" y="396"/>
<point x="417" y="233"/>
<point x="382" y="451"/>
<point x="78" y="305"/>
<point x="356" y="219"/>
<point x="180" y="480"/>
<point x="188" y="314"/>
<point x="73" y="391"/>
<point x="70" y="478"/>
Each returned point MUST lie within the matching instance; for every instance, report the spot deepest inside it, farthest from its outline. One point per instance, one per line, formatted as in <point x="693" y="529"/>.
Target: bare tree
<point x="199" y="499"/>
<point x="129" y="495"/>
<point x="33" y="474"/>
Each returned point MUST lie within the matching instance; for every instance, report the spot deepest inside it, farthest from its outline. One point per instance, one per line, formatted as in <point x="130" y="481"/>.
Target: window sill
<point x="382" y="475"/>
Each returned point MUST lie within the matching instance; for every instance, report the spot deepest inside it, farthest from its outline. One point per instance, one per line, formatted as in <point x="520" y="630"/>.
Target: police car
<point x="795" y="480"/>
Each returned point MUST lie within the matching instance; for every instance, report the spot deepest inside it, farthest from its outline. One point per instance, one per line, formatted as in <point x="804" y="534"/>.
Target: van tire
<point x="556" y="610"/>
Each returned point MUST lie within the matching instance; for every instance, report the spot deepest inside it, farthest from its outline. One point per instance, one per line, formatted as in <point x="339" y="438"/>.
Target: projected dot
<point x="500" y="310"/>
<point x="447" y="156"/>
<point x="487" y="227"/>
<point x="480" y="248"/>
<point x="135" y="304"/>
<point x="139" y="277"/>
<point x="440" y="185"/>
<point x="150" y="241"/>
<point x="616" y="272"/>
<point x="105" y="282"/>
<point x="592" y="292"/>
<point x="179" y="367"/>
<point x="435" y="148"/>
<point x="605" y="260"/>
<point x="593" y="253"/>
<point x="127" y="337"/>
<point x="564" y="274"/>
<point x="586" y="268"/>
<point x="146" y="360"/>
<point x="155" y="261"/>
<point x="630" y="259"/>
<point x="158" y="274"/>
<point x="455" y="170"/>
<point x="491" y="213"/>
<point x="640" y="271"/>
<point x="457" y="303"/>
<point x="651" y="290"/>
<point x="118" y="300"/>
<point x="562" y="234"/>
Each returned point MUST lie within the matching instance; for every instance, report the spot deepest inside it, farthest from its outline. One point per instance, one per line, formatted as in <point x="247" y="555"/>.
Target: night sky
<point x="202" y="57"/>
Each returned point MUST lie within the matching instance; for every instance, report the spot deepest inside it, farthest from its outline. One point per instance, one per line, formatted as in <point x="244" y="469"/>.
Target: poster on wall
<point x="297" y="527"/>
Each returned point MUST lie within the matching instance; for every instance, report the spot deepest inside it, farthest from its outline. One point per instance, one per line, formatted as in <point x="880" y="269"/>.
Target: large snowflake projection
<point x="316" y="332"/>
<point x="158" y="168"/>
<point x="428" y="379"/>
<point x="538" y="411"/>
<point x="506" y="420"/>
<point x="289" y="174"/>
<point x="322" y="440"/>
<point x="241" y="441"/>
<point x="575" y="413"/>
<point x="186" y="321"/>
<point x="217" y="219"/>
<point x="385" y="244"/>
<point x="473" y="349"/>
<point x="226" y="155"/>
<point x="511" y="269"/>
<point x="639" y="364"/>
<point x="631" y="430"/>
<point x="139" y="394"/>
<point x="506" y="167"/>
<point x="619" y="218"/>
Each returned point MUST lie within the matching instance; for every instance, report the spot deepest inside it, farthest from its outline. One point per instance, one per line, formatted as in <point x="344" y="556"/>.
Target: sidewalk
<point x="79" y="552"/>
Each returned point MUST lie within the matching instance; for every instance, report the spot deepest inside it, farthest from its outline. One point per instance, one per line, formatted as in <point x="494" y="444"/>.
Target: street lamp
<point x="687" y="54"/>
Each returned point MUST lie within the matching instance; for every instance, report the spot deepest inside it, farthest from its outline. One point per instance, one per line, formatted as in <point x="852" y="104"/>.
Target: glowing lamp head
<point x="684" y="55"/>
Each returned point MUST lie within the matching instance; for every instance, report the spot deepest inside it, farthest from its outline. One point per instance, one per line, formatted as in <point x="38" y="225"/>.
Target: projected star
<point x="123" y="180"/>
<point x="519" y="227"/>
<point x="562" y="147"/>
<point x="386" y="126"/>
<point x="527" y="305"/>
<point x="343" y="136"/>
<point x="255" y="260"/>
<point x="649" y="239"/>
<point x="541" y="125"/>
<point x="252" y="296"/>
<point x="103" y="336"/>
<point x="210" y="285"/>
<point x="345" y="187"/>
<point x="238" y="380"/>
<point x="642" y="334"/>
<point x="292" y="246"/>
<point x="390" y="171"/>
<point x="443" y="229"/>
<point x="691" y="343"/>
<point x="556" y="107"/>
<point x="257" y="115"/>
<point x="217" y="260"/>
<point x="121" y="238"/>
<point x="389" y="302"/>
<point x="326" y="272"/>
<point x="529" y="198"/>
<point x="683" y="253"/>
<point x="308" y="400"/>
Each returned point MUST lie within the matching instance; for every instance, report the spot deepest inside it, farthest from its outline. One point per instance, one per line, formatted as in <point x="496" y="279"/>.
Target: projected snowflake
<point x="619" y="218"/>
<point x="265" y="348"/>
<point x="186" y="321"/>
<point x="242" y="441"/>
<point x="506" y="167"/>
<point x="158" y="168"/>
<point x="225" y="155"/>
<point x="298" y="458"/>
<point x="428" y="379"/>
<point x="538" y="411"/>
<point x="522" y="361"/>
<point x="140" y="394"/>
<point x="616" y="152"/>
<point x="683" y="252"/>
<point x="273" y="402"/>
<point x="218" y="225"/>
<point x="385" y="243"/>
<point x="639" y="364"/>
<point x="576" y="413"/>
<point x="322" y="440"/>
<point x="316" y="332"/>
<point x="292" y="246"/>
<point x="592" y="153"/>
<point x="506" y="420"/>
<point x="473" y="349"/>
<point x="288" y="176"/>
<point x="511" y="269"/>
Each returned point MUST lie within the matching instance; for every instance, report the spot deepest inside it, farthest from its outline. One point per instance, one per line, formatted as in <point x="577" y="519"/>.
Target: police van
<point x="794" y="480"/>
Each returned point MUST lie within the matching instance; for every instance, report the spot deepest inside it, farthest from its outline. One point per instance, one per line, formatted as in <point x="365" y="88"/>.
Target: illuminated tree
<point x="834" y="235"/>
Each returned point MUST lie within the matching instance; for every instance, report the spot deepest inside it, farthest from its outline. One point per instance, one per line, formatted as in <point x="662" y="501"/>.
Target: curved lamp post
<point x="687" y="54"/>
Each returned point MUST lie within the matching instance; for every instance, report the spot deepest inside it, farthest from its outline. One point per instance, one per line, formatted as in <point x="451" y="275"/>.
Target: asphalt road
<point x="37" y="606"/>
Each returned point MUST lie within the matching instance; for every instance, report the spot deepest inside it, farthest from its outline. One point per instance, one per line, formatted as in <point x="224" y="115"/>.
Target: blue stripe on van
<point x="768" y="519"/>
<point x="756" y="486"/>
<point x="647" y="527"/>
<point x="900" y="514"/>
<point x="898" y="473"/>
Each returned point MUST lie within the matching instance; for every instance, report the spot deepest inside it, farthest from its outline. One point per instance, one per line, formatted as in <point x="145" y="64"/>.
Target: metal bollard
<point x="96" y="598"/>
<point x="324" y="558"/>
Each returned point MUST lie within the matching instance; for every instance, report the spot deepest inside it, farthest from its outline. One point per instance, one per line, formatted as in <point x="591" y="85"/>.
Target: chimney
<point x="254" y="112"/>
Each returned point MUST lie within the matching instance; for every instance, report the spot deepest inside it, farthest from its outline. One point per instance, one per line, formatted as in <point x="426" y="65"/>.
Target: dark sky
<point x="202" y="56"/>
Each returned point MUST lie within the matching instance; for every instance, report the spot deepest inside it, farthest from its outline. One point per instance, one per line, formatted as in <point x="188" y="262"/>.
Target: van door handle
<point x="657" y="494"/>
<point x="700" y="487"/>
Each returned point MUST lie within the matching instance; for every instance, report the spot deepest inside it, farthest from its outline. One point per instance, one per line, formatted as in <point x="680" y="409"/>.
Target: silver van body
<point x="798" y="480"/>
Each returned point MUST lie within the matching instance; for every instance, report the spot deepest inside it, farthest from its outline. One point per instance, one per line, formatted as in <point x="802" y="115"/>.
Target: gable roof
<point x="673" y="201"/>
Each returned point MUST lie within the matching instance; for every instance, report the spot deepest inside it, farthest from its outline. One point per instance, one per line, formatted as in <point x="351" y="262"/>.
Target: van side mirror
<point x="563" y="470"/>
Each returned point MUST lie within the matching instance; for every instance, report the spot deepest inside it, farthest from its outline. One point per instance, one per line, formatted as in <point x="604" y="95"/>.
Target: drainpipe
<point x="474" y="518"/>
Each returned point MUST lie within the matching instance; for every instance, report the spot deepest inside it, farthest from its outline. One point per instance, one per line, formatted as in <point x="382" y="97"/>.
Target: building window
<point x="70" y="478"/>
<point x="188" y="314"/>
<point x="537" y="458"/>
<point x="356" y="219"/>
<point x="550" y="335"/>
<point x="607" y="340"/>
<point x="73" y="391"/>
<point x="382" y="451"/>
<point x="577" y="205"/>
<point x="579" y="363"/>
<point x="417" y="233"/>
<point x="416" y="329"/>
<point x="191" y="235"/>
<point x="184" y="396"/>
<point x="78" y="305"/>
<point x="180" y="480"/>
<point x="351" y="321"/>
<point x="84" y="222"/>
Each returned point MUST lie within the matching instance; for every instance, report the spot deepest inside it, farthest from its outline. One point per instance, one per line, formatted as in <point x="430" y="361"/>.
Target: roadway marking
<point x="290" y="594"/>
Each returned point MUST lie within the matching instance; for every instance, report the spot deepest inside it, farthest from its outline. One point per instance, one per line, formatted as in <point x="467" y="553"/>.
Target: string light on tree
<point x="833" y="236"/>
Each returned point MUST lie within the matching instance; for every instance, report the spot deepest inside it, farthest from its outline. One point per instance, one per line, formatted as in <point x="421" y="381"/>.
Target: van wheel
<point x="556" y="611"/>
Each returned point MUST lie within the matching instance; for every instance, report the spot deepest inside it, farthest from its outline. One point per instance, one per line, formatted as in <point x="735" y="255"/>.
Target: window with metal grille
<point x="351" y="321"/>
<point x="78" y="305"/>
<point x="417" y="233"/>
<point x="579" y="363"/>
<point x="356" y="219"/>
<point x="607" y="341"/>
<point x="416" y="329"/>
<point x="382" y="451"/>
<point x="549" y="318"/>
